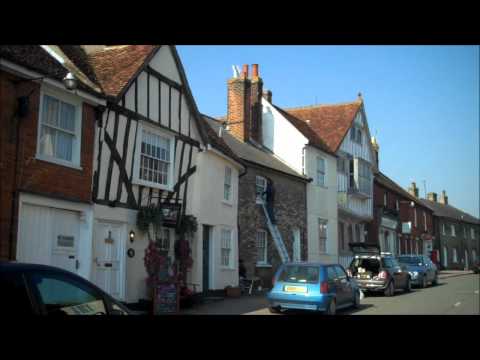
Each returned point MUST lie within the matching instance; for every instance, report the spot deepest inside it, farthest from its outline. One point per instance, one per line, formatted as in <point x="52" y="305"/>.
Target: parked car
<point x="476" y="268"/>
<point x="377" y="272"/>
<point x="422" y="270"/>
<point x="45" y="290"/>
<point x="312" y="286"/>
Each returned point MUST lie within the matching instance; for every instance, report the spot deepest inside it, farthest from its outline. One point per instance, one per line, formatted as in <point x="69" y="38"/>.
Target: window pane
<point x="155" y="158"/>
<point x="64" y="146"/>
<point x="300" y="274"/>
<point x="67" y="117"/>
<point x="47" y="141"/>
<point x="50" y="110"/>
<point x="62" y="296"/>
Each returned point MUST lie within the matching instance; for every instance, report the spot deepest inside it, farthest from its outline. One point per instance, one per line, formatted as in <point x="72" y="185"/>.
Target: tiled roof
<point x="385" y="181"/>
<point x="115" y="67"/>
<point x="450" y="211"/>
<point x="306" y="131"/>
<point x="253" y="154"/>
<point x="330" y="122"/>
<point x="34" y="58"/>
<point x="218" y="142"/>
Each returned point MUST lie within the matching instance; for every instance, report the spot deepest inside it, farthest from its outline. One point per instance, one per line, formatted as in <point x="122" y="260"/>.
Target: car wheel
<point x="274" y="310"/>
<point x="424" y="282"/>
<point x="390" y="290"/>
<point x="408" y="286"/>
<point x="332" y="309"/>
<point x="356" y="300"/>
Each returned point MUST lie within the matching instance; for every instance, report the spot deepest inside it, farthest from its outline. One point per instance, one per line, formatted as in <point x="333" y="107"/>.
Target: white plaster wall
<point x="322" y="203"/>
<point x="210" y="209"/>
<point x="280" y="136"/>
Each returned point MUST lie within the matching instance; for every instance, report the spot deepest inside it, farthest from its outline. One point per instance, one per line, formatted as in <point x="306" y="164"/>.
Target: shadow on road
<point x="346" y="311"/>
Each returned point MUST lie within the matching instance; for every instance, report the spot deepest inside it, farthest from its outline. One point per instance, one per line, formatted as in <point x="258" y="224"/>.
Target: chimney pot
<point x="432" y="196"/>
<point x="254" y="71"/>
<point x="245" y="71"/>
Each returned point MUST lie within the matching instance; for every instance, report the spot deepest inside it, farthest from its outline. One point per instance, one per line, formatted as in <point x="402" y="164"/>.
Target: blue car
<point x="313" y="286"/>
<point x="422" y="270"/>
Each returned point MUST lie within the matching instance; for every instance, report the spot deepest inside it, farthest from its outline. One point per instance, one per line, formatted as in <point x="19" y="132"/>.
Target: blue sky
<point x="422" y="102"/>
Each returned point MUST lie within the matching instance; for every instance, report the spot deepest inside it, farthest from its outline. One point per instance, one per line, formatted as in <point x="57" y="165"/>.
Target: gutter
<point x="25" y="73"/>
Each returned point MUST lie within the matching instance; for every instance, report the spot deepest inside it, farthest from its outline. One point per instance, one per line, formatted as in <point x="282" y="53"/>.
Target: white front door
<point x="109" y="258"/>
<point x="297" y="248"/>
<point x="48" y="236"/>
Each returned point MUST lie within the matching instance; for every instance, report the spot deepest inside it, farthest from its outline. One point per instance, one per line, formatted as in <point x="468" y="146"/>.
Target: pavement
<point x="455" y="294"/>
<point x="452" y="273"/>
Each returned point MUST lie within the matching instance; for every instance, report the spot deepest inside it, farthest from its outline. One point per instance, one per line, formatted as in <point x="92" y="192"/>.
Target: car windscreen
<point x="300" y="274"/>
<point x="410" y="260"/>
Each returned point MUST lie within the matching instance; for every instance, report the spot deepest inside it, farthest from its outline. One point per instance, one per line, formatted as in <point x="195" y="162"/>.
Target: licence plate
<point x="299" y="289"/>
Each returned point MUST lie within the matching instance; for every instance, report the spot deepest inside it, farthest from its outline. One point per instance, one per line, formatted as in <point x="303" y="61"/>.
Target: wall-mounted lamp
<point x="70" y="81"/>
<point x="132" y="236"/>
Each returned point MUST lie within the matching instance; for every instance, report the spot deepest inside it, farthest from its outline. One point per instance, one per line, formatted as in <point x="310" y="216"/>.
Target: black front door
<point x="206" y="258"/>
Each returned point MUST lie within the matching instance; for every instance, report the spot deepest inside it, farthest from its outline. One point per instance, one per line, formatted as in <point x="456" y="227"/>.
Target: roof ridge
<point x="322" y="105"/>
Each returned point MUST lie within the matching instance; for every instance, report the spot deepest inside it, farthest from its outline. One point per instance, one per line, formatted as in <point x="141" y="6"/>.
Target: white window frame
<point x="228" y="184"/>
<point x="472" y="233"/>
<point x="230" y="247"/>
<point x="77" y="143"/>
<point x="397" y="205"/>
<point x="259" y="200"/>
<point x="425" y="219"/>
<point x="264" y="261"/>
<point x="321" y="173"/>
<point x="385" y="199"/>
<point x="323" y="222"/>
<point x="454" y="258"/>
<point x="444" y="231"/>
<point x="136" y="167"/>
<point x="166" y="231"/>
<point x="452" y="230"/>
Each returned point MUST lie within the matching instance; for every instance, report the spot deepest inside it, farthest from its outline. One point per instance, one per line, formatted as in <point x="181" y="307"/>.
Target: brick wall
<point x="37" y="176"/>
<point x="289" y="210"/>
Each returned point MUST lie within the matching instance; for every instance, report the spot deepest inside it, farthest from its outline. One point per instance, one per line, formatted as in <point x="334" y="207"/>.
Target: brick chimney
<point x="432" y="196"/>
<point x="444" y="198"/>
<point x="245" y="105"/>
<point x="413" y="190"/>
